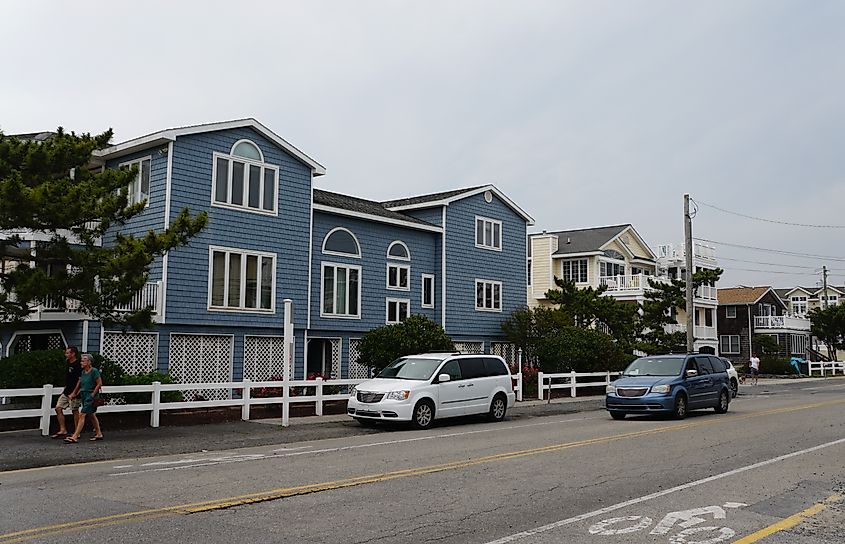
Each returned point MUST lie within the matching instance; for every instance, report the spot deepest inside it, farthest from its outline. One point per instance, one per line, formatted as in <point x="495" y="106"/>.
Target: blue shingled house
<point x="348" y="264"/>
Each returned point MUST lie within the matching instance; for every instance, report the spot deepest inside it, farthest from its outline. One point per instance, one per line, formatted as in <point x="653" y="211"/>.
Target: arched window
<point x="341" y="242"/>
<point x="398" y="250"/>
<point x="613" y="254"/>
<point x="247" y="150"/>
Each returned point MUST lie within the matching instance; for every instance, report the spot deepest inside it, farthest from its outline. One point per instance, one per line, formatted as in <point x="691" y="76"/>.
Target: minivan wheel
<point x="724" y="402"/>
<point x="498" y="408"/>
<point x="734" y="388"/>
<point x="680" y="409"/>
<point x="617" y="415"/>
<point x="423" y="417"/>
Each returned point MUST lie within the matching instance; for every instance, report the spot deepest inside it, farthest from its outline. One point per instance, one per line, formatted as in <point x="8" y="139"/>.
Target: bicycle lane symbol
<point x="688" y="521"/>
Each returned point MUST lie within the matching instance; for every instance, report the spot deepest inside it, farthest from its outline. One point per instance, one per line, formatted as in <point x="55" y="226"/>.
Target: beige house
<point x="800" y="300"/>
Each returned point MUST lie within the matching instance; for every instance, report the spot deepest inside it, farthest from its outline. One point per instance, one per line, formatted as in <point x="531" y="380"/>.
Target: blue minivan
<point x="670" y="384"/>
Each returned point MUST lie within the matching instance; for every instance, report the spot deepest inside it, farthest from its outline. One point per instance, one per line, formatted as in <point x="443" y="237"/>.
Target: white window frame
<point x="132" y="200"/>
<point x="730" y="351"/>
<point x="481" y="244"/>
<point x="730" y="312"/>
<point x="491" y="284"/>
<point x="247" y="163"/>
<point x="394" y="257"/>
<point x="399" y="268"/>
<point x="323" y="265"/>
<point x="397" y="302"/>
<point x="426" y="277"/>
<point x="338" y="253"/>
<point x="802" y="340"/>
<point x="573" y="262"/>
<point x="241" y="308"/>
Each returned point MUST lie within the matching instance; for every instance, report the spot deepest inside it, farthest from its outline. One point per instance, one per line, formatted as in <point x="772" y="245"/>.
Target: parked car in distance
<point x="733" y="377"/>
<point x="422" y="388"/>
<point x="670" y="384"/>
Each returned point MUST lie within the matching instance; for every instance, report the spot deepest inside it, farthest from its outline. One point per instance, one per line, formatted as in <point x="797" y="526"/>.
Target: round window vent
<point x="488" y="196"/>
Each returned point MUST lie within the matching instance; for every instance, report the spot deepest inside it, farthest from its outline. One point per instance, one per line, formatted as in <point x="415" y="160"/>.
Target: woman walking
<point x="88" y="389"/>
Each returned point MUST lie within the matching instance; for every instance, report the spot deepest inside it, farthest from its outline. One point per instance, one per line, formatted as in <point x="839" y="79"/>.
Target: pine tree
<point x="52" y="188"/>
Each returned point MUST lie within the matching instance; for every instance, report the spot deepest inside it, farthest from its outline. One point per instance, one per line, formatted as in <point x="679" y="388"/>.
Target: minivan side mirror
<point x="444" y="378"/>
<point x="691" y="373"/>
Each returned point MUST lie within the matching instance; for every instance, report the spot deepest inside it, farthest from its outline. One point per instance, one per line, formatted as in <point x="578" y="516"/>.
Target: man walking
<point x="74" y="370"/>
<point x="754" y="365"/>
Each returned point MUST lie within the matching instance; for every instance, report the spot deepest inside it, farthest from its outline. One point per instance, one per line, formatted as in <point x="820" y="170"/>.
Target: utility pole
<point x="688" y="257"/>
<point x="824" y="284"/>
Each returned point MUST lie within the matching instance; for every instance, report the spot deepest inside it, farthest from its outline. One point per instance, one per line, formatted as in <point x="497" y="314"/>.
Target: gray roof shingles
<point x="360" y="205"/>
<point x="585" y="240"/>
<point x="423" y="199"/>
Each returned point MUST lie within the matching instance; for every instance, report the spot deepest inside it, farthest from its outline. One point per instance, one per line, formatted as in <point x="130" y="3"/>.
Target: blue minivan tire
<point x="679" y="411"/>
<point x="724" y="402"/>
<point x="617" y="415"/>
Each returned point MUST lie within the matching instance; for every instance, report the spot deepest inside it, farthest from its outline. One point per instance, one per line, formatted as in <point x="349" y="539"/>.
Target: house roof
<point x="593" y="240"/>
<point x="743" y="295"/>
<point x="447" y="197"/>
<point x="34" y="136"/>
<point x="365" y="209"/>
<point x="170" y="134"/>
<point x="812" y="291"/>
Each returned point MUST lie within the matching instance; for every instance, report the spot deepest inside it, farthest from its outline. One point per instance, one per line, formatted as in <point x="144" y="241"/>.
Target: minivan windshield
<point x="655" y="366"/>
<point x="410" y="368"/>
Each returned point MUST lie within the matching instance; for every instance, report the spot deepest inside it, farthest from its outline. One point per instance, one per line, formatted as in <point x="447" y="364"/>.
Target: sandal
<point x="58" y="435"/>
<point x="70" y="440"/>
<point x="95" y="438"/>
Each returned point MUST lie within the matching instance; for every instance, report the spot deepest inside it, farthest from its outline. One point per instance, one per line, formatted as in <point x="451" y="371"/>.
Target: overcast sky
<point x="585" y="113"/>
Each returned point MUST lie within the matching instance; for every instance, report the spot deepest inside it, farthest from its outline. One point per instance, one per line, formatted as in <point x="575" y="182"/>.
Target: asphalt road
<point x="769" y="471"/>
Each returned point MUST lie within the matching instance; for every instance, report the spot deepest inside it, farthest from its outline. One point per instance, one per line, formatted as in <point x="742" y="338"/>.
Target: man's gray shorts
<point x="65" y="402"/>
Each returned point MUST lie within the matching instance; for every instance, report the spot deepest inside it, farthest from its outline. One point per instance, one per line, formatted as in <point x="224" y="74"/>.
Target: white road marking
<point x="696" y="483"/>
<point x="288" y="452"/>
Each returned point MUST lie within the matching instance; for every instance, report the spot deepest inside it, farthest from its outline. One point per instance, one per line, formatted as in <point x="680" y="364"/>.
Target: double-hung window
<point x="341" y="291"/>
<point x="574" y="270"/>
<point x="488" y="233"/>
<point x="139" y="188"/>
<point x="397" y="277"/>
<point x="730" y="312"/>
<point x="398" y="310"/>
<point x="729" y="344"/>
<point x="488" y="295"/>
<point x="241" y="280"/>
<point x="427" y="291"/>
<point x="243" y="180"/>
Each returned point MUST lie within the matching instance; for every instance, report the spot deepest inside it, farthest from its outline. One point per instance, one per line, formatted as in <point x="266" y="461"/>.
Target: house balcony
<point x="67" y="309"/>
<point x="778" y="322"/>
<point x="704" y="332"/>
<point x="706" y="293"/>
<point x="630" y="286"/>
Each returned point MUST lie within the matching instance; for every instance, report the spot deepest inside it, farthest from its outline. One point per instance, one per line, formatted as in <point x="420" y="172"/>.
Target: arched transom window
<point x="341" y="242"/>
<point x="243" y="180"/>
<point x="398" y="250"/>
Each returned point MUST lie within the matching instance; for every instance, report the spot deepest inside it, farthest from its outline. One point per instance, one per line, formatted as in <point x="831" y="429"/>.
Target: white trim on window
<point x="400" y="269"/>
<point x="242" y="287"/>
<point x="730" y="310"/>
<point x="425" y="277"/>
<point x="733" y="346"/>
<point x="491" y="288"/>
<point x="399" y="243"/>
<point x="247" y="164"/>
<point x="335" y="266"/>
<point x="490" y="239"/>
<point x="134" y="197"/>
<point x="398" y="302"/>
<point x="328" y="252"/>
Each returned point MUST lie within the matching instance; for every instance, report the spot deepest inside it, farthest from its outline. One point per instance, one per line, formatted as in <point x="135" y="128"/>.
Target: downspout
<point x="164" y="260"/>
<point x="750" y="350"/>
<point x="443" y="271"/>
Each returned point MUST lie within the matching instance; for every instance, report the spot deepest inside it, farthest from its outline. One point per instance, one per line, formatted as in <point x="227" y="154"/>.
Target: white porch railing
<point x="781" y="322"/>
<point x="702" y="331"/>
<point x="824" y="367"/>
<point x="156" y="406"/>
<point x="705" y="292"/>
<point x="149" y="295"/>
<point x="545" y="382"/>
<point x="622" y="283"/>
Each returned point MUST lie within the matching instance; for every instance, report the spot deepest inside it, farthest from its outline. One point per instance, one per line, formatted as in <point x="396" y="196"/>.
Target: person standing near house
<point x="88" y="389"/>
<point x="754" y="365"/>
<point x="74" y="369"/>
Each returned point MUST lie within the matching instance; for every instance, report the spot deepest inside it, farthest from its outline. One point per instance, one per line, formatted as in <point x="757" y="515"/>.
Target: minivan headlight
<point x="661" y="389"/>
<point x="610" y="389"/>
<point x="398" y="395"/>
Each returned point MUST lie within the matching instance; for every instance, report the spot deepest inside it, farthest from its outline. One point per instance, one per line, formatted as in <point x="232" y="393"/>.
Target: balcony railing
<point x="631" y="283"/>
<point x="149" y="295"/>
<point x="781" y="322"/>
<point x="706" y="292"/>
<point x="703" y="331"/>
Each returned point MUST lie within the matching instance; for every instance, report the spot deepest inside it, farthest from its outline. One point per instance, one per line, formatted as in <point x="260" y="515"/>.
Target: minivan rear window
<point x="718" y="364"/>
<point x="495" y="367"/>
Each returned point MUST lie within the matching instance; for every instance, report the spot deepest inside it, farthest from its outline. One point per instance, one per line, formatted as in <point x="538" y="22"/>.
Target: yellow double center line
<point x="789" y="522"/>
<point x="281" y="493"/>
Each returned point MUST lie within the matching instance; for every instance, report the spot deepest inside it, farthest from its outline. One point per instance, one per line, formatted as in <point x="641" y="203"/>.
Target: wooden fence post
<point x="46" y="409"/>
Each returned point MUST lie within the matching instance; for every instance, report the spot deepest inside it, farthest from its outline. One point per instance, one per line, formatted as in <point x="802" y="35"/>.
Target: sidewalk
<point x="28" y="449"/>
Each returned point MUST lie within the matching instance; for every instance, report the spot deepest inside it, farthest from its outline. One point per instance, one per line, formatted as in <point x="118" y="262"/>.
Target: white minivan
<point x="422" y="388"/>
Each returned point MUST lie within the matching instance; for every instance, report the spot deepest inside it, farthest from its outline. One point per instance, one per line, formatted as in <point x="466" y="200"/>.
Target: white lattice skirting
<point x="264" y="358"/>
<point x="135" y="352"/>
<point x="200" y="358"/>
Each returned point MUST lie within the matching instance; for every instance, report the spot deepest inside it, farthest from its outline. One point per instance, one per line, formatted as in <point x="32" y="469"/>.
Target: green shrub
<point x="148" y="379"/>
<point x="775" y="365"/>
<point x="580" y="350"/>
<point x="418" y="334"/>
<point x="36" y="368"/>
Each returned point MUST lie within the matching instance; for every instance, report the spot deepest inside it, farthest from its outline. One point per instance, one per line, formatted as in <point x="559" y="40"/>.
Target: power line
<point x="771" y="271"/>
<point x="777" y="251"/>
<point x="816" y="269"/>
<point x="808" y="225"/>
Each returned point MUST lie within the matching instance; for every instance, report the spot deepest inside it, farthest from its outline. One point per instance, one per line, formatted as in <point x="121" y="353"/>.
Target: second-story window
<point x="574" y="270"/>
<point x="341" y="291"/>
<point x="241" y="280"/>
<point x="397" y="277"/>
<point x="139" y="188"/>
<point x="488" y="295"/>
<point x="427" y="291"/>
<point x="243" y="180"/>
<point x="488" y="233"/>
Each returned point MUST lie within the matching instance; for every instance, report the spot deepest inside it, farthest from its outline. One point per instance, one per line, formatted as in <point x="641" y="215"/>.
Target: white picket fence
<point x="827" y="366"/>
<point x="156" y="406"/>
<point x="546" y="382"/>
